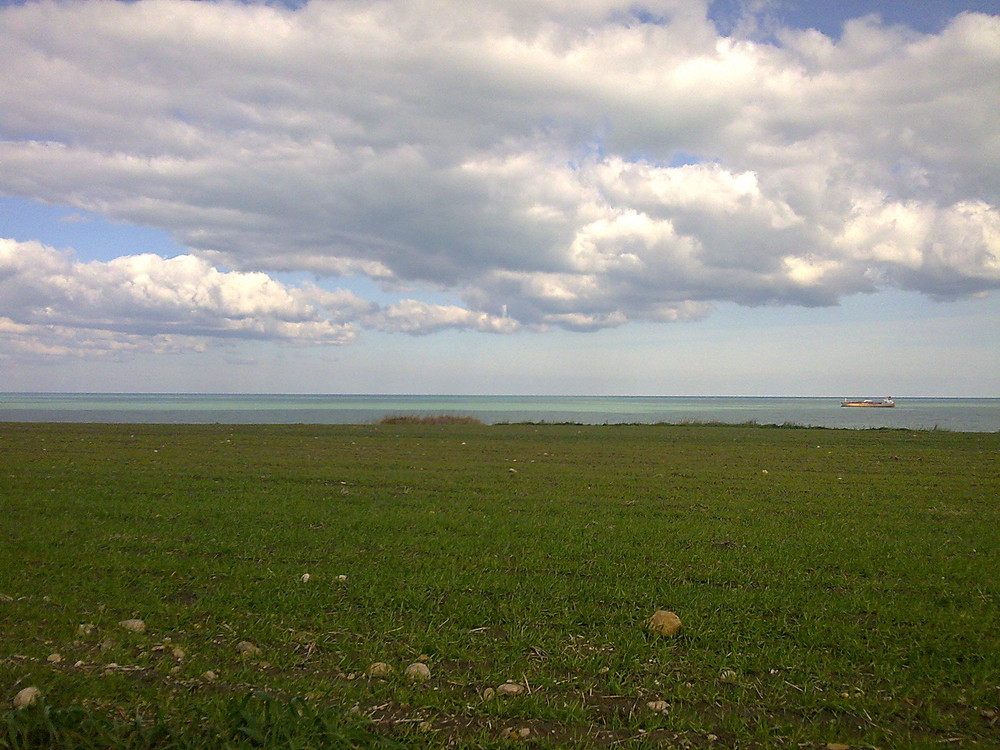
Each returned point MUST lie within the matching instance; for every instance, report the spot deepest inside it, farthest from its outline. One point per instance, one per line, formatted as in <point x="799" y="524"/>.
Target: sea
<point x="955" y="414"/>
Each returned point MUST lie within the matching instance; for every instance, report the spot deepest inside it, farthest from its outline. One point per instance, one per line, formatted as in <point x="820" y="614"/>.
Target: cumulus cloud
<point x="573" y="164"/>
<point x="54" y="305"/>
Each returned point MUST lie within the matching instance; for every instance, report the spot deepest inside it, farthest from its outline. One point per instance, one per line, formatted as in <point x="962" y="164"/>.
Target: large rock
<point x="663" y="622"/>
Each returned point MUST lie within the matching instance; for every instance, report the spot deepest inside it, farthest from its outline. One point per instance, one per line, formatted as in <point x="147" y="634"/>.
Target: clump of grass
<point x="429" y="419"/>
<point x="255" y="720"/>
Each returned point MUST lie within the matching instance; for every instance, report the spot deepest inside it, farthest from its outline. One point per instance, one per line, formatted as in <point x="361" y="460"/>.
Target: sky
<point x="677" y="197"/>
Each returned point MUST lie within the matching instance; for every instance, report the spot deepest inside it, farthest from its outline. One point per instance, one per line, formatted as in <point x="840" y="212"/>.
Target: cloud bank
<point x="53" y="305"/>
<point x="578" y="165"/>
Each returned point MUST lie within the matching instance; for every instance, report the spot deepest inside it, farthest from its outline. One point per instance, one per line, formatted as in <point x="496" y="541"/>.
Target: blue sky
<point x="547" y="197"/>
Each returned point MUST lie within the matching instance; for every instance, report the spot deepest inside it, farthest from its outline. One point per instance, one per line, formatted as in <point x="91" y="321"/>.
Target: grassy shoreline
<point x="836" y="586"/>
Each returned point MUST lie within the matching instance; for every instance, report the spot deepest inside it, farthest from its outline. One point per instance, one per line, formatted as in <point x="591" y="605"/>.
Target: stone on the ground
<point x="209" y="676"/>
<point x="510" y="688"/>
<point x="26" y="697"/>
<point x="663" y="622"/>
<point x="54" y="658"/>
<point x="305" y="578"/>
<point x="247" y="648"/>
<point x="177" y="652"/>
<point x="418" y="672"/>
<point x="85" y="628"/>
<point x="658" y="706"/>
<point x="379" y="669"/>
<point x="134" y="626"/>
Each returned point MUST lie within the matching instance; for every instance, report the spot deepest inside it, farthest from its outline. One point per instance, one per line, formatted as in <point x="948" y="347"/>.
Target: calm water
<point x="960" y="414"/>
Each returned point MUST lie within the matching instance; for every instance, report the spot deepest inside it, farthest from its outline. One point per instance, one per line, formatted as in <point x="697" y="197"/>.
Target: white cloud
<point x="573" y="164"/>
<point x="52" y="305"/>
<point x="134" y="295"/>
<point x="420" y="318"/>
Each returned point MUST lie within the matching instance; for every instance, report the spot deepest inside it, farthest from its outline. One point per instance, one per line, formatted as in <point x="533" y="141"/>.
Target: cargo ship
<point x="871" y="402"/>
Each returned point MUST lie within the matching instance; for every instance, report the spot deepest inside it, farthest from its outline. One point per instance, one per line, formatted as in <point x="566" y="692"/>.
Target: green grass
<point x="835" y="586"/>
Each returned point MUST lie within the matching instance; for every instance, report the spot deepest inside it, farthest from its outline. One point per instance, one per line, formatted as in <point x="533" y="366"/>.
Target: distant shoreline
<point x="956" y="414"/>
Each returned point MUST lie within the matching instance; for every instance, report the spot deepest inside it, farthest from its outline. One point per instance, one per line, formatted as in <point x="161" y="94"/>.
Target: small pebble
<point x="178" y="652"/>
<point x="247" y="648"/>
<point x="210" y="676"/>
<point x="26" y="697"/>
<point x="305" y="578"/>
<point x="379" y="669"/>
<point x="341" y="577"/>
<point x="510" y="688"/>
<point x="418" y="672"/>
<point x="54" y="658"/>
<point x="134" y="626"/>
<point x="85" y="628"/>
<point x="658" y="706"/>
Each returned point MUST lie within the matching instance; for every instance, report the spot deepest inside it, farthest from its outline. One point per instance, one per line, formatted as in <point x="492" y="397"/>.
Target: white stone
<point x="26" y="697"/>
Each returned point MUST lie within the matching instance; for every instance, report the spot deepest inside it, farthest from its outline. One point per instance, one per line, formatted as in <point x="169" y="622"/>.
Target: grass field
<point x="836" y="587"/>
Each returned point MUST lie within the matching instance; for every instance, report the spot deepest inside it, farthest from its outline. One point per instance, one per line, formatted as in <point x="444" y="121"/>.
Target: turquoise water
<point x="960" y="414"/>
